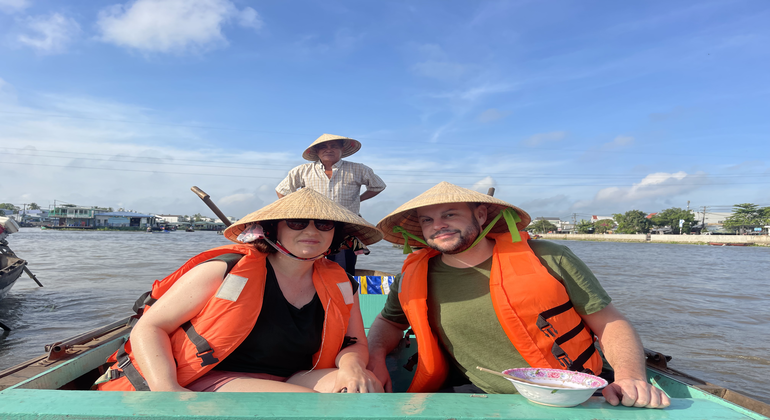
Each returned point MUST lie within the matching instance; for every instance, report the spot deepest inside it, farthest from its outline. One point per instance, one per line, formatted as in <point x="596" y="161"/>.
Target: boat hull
<point x="53" y="386"/>
<point x="11" y="269"/>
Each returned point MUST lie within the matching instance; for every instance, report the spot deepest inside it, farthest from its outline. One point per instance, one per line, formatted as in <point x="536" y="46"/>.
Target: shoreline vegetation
<point x="748" y="240"/>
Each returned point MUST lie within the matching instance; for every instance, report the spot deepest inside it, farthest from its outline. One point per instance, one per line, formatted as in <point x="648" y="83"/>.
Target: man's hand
<point x="380" y="369"/>
<point x="635" y="393"/>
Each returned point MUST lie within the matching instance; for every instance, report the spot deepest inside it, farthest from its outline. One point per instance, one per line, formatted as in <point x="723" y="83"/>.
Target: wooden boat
<point x="11" y="266"/>
<point x="55" y="385"/>
<point x="727" y="244"/>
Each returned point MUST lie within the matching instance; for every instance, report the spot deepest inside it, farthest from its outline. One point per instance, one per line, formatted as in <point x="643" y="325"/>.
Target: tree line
<point x="745" y="217"/>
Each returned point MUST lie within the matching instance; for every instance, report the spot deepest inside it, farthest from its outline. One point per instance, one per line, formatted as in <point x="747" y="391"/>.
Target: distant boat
<point x="11" y="266"/>
<point x="727" y="244"/>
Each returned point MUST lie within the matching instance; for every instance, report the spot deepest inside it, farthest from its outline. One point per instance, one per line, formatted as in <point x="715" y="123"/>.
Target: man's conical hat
<point x="308" y="204"/>
<point x="443" y="193"/>
<point x="349" y="146"/>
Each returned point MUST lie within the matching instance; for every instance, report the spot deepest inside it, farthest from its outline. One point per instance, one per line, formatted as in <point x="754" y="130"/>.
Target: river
<point x="708" y="307"/>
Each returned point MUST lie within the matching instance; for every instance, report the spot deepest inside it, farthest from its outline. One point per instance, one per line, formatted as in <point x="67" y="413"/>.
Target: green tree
<point x="745" y="216"/>
<point x="584" y="226"/>
<point x="198" y="217"/>
<point x="633" y="221"/>
<point x="541" y="226"/>
<point x="33" y="206"/>
<point x="671" y="217"/>
<point x="8" y="206"/>
<point x="604" y="225"/>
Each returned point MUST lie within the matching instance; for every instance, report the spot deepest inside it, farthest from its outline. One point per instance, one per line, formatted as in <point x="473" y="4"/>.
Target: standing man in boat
<point x="480" y="293"/>
<point x="337" y="179"/>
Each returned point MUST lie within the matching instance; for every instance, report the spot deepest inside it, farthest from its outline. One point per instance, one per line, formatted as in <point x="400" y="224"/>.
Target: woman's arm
<point x="150" y="337"/>
<point x="352" y="360"/>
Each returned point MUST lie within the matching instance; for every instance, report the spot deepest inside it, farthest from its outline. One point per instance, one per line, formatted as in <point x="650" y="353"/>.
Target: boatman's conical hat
<point x="308" y="204"/>
<point x="349" y="146"/>
<point x="443" y="193"/>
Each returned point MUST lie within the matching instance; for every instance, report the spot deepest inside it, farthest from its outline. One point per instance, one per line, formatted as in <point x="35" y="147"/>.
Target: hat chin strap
<point x="511" y="218"/>
<point x="280" y="248"/>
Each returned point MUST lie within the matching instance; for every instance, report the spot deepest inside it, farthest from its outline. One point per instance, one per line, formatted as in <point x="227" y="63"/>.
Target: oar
<point x="206" y="199"/>
<point x="517" y="379"/>
<point x="4" y="327"/>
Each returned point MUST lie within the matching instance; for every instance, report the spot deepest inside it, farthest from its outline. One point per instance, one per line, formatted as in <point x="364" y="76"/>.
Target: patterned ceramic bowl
<point x="571" y="388"/>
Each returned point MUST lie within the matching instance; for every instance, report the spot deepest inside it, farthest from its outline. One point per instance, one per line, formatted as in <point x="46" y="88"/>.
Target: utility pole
<point x="703" y="223"/>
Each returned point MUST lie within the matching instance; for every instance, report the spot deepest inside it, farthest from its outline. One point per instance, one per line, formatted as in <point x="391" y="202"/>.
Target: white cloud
<point x="249" y="18"/>
<point x="12" y="6"/>
<point x="654" y="187"/>
<point x="542" y="138"/>
<point x="619" y="141"/>
<point x="484" y="185"/>
<point x="491" y="115"/>
<point x="172" y="26"/>
<point x="50" y="34"/>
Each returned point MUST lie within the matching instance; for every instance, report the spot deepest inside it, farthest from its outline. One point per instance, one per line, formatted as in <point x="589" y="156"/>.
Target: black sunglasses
<point x="300" y="224"/>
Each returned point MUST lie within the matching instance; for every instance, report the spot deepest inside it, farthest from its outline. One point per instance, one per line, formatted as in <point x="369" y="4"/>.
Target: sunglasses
<point x="300" y="224"/>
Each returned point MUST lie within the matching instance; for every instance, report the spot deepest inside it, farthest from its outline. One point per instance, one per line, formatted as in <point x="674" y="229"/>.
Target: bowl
<point x="572" y="388"/>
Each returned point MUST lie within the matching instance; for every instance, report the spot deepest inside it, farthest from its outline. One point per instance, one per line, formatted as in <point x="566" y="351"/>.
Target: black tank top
<point x="284" y="339"/>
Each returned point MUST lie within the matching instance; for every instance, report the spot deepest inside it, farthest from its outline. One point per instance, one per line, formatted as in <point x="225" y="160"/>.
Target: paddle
<point x="206" y="199"/>
<point x="517" y="379"/>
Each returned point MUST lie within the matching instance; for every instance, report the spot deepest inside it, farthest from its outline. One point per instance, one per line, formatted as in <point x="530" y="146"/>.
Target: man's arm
<point x="623" y="349"/>
<point x="368" y="194"/>
<point x="279" y="195"/>
<point x="383" y="337"/>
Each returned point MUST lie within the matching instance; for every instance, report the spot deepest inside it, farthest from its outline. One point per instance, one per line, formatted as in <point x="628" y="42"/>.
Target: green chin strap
<point x="511" y="218"/>
<point x="407" y="235"/>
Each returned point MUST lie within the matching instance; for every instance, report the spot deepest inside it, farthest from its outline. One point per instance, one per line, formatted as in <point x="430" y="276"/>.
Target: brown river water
<point x="708" y="307"/>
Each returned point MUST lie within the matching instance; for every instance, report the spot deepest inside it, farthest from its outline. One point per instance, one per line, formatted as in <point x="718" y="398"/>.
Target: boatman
<point x="337" y="179"/>
<point x="480" y="293"/>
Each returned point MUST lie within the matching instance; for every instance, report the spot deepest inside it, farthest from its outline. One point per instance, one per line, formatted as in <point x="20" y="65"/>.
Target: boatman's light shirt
<point x="343" y="188"/>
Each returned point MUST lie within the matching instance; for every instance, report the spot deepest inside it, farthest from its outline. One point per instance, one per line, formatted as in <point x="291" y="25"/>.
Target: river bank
<point x="758" y="240"/>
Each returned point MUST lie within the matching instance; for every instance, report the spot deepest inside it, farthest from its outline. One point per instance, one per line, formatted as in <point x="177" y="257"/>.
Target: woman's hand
<point x="356" y="379"/>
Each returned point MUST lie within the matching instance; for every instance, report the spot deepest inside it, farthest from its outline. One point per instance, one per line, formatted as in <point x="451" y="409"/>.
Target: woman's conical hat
<point x="443" y="193"/>
<point x="308" y="204"/>
<point x="349" y="146"/>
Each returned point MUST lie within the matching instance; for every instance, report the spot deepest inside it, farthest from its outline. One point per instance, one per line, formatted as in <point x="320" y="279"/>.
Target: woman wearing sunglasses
<point x="268" y="314"/>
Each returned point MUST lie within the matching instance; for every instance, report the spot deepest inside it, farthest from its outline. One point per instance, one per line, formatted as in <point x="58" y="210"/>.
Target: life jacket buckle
<point x="125" y="362"/>
<point x="549" y="330"/>
<point x="207" y="358"/>
<point x="565" y="361"/>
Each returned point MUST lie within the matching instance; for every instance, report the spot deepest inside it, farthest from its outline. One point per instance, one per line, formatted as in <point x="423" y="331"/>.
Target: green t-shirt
<point x="460" y="309"/>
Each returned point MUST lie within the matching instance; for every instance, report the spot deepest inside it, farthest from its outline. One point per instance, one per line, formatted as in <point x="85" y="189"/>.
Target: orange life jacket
<point x="532" y="307"/>
<point x="230" y="315"/>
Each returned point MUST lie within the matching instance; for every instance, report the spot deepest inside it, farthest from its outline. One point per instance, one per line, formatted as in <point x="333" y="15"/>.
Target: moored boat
<point x="55" y="385"/>
<point x="728" y="244"/>
<point x="11" y="266"/>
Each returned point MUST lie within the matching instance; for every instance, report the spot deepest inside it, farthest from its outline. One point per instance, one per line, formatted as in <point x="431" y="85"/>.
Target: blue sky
<point x="565" y="107"/>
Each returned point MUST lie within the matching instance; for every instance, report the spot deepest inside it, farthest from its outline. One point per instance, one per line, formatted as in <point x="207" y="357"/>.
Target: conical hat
<point x="308" y="204"/>
<point x="349" y="146"/>
<point x="443" y="193"/>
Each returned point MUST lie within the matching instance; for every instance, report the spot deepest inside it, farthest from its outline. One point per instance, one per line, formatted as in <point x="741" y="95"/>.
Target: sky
<point x="567" y="108"/>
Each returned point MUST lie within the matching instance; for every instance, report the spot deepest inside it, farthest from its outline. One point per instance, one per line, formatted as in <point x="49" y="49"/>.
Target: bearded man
<point x="481" y="294"/>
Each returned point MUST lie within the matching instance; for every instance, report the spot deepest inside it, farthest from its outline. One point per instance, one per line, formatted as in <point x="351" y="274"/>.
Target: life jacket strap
<point x="542" y="319"/>
<point x="128" y="368"/>
<point x="565" y="361"/>
<point x="143" y="300"/>
<point x="205" y="352"/>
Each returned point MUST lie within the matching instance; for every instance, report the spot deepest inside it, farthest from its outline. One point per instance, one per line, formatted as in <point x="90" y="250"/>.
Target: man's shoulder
<point x="543" y="248"/>
<point x="304" y="166"/>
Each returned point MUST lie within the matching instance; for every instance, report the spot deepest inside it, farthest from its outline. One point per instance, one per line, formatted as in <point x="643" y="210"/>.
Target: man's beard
<point x="465" y="240"/>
